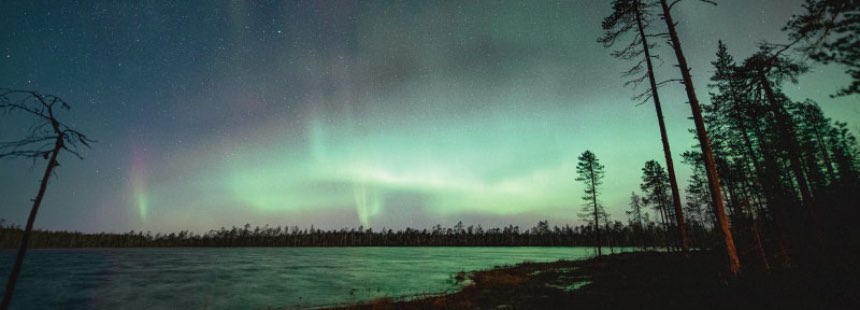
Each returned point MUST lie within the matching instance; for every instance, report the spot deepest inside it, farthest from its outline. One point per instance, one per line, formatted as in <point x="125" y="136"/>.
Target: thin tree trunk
<point x="824" y="151"/>
<point x="596" y="209"/>
<point x="759" y="245"/>
<point x="665" y="225"/>
<point x="707" y="152"/>
<point x="787" y="135"/>
<point x="750" y="156"/>
<point x="787" y="139"/>
<point x="609" y="236"/>
<point x="703" y="230"/>
<point x="22" y="249"/>
<point x="667" y="152"/>
<point x="671" y="228"/>
<point x="731" y="197"/>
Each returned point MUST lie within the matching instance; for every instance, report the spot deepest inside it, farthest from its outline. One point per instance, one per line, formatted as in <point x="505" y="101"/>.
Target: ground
<point x="646" y="280"/>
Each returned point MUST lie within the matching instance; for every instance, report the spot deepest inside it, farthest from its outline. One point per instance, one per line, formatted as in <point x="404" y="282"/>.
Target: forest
<point x="542" y="234"/>
<point x="774" y="177"/>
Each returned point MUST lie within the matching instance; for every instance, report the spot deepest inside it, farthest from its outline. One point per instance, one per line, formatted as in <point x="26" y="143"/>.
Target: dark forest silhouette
<point x="789" y="173"/>
<point x="648" y="235"/>
<point x="771" y="172"/>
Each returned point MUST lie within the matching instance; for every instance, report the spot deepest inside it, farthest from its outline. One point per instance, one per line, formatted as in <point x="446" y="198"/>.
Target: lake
<point x="217" y="278"/>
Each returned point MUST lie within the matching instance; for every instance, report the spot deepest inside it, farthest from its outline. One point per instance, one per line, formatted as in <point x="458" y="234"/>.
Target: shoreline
<point x="642" y="280"/>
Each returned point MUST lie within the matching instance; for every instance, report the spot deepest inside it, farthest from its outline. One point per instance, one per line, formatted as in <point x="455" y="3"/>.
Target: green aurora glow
<point x="374" y="114"/>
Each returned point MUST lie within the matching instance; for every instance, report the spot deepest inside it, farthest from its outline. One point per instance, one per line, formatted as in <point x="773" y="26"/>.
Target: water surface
<point x="217" y="278"/>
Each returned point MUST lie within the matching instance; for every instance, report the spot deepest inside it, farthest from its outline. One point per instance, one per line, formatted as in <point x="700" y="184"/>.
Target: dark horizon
<point x="617" y="235"/>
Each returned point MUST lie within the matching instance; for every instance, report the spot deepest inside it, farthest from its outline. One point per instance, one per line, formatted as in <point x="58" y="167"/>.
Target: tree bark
<point x="596" y="209"/>
<point x="786" y="135"/>
<point x="704" y="142"/>
<point x="667" y="152"/>
<point x="663" y="222"/>
<point x="826" y="153"/>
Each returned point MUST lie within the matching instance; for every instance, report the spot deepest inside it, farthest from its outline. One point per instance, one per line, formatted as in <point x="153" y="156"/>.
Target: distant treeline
<point x="541" y="234"/>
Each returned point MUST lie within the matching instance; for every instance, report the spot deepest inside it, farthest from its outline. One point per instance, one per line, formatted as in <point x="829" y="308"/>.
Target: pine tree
<point x="590" y="171"/>
<point x="633" y="16"/>
<point x="830" y="33"/>
<point x="704" y="142"/>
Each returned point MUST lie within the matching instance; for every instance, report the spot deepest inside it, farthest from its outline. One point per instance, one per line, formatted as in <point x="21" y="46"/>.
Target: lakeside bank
<point x="645" y="280"/>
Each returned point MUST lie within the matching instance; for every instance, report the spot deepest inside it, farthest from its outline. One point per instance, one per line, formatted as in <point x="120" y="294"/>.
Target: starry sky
<point x="342" y="113"/>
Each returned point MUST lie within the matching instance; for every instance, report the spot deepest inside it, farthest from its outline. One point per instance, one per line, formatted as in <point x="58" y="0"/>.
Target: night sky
<point x="340" y="114"/>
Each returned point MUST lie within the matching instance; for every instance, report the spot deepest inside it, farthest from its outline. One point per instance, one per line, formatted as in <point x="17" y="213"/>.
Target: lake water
<point x="218" y="278"/>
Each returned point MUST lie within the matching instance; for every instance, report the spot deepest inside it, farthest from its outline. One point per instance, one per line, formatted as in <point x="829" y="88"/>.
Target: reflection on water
<point x="249" y="277"/>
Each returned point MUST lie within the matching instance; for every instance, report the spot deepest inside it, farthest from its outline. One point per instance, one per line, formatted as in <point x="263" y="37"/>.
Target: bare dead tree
<point x="45" y="140"/>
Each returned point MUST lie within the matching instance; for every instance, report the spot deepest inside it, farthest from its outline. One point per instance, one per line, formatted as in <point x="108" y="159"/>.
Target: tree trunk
<point x="665" y="225"/>
<point x="750" y="156"/>
<point x="826" y="153"/>
<point x="667" y="152"/>
<point x="702" y="232"/>
<point x="609" y="236"/>
<point x="710" y="165"/>
<point x="787" y="136"/>
<point x="731" y="197"/>
<point x="22" y="249"/>
<point x="596" y="209"/>
<point x="759" y="245"/>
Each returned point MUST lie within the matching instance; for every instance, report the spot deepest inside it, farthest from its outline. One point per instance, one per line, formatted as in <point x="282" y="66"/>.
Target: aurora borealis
<point x="340" y="114"/>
